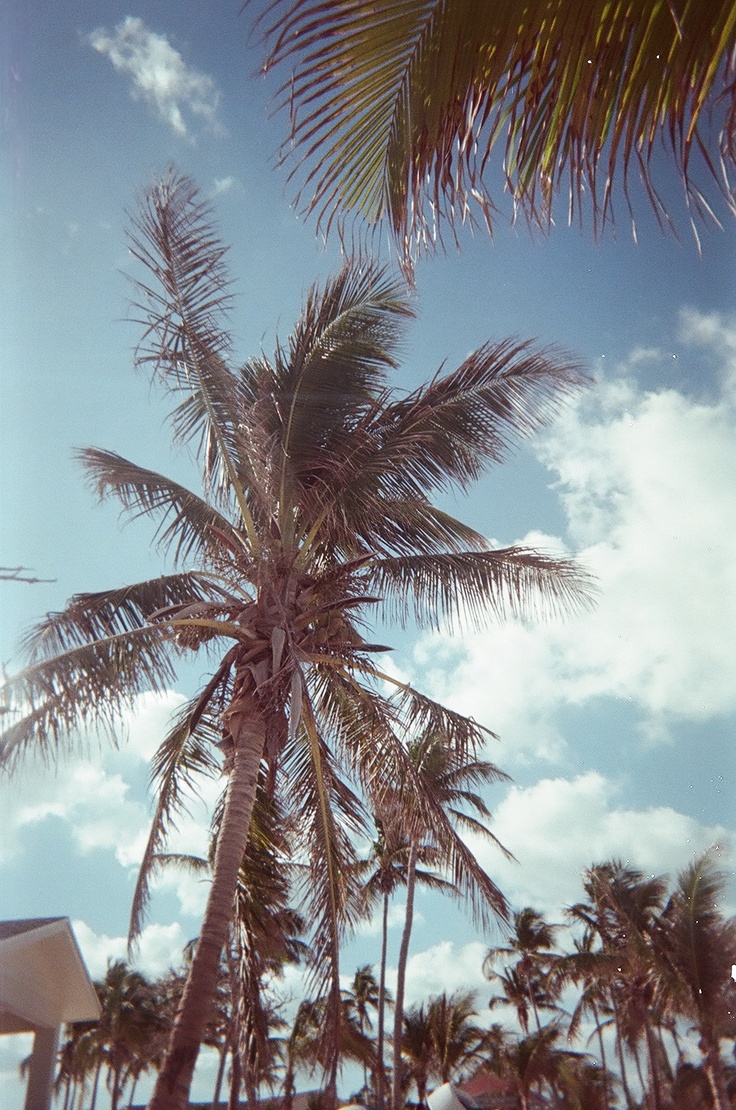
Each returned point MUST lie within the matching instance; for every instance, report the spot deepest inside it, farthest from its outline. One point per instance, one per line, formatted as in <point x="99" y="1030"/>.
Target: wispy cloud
<point x="160" y="76"/>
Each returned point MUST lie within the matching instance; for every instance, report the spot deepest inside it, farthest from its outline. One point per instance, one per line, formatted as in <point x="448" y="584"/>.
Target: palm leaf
<point x="82" y="687"/>
<point x="470" y="587"/>
<point x="184" y="342"/>
<point x="184" y="755"/>
<point x="187" y="523"/>
<point x="422" y="112"/>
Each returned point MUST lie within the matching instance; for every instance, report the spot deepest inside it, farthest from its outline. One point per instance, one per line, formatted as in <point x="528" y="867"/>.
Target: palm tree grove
<point x="316" y="526"/>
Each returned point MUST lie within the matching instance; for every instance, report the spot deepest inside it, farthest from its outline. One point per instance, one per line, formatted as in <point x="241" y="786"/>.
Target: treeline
<point x="627" y="1005"/>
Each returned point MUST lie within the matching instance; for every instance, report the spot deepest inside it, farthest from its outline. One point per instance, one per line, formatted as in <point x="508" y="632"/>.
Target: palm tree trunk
<point x="380" y="1084"/>
<point x="174" y="1080"/>
<point x="220" y="1075"/>
<point x="714" y="1072"/>
<point x="411" y="872"/>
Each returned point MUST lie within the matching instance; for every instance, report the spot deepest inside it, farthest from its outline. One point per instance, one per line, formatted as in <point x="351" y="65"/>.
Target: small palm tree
<point x="421" y="113"/>
<point x="531" y="940"/>
<point x="317" y="484"/>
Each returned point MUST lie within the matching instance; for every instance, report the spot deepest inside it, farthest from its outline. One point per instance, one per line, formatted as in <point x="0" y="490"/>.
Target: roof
<point x="43" y="980"/>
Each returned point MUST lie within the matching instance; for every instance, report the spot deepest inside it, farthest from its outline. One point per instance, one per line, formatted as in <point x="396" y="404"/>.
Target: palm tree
<point x="447" y="777"/>
<point x="457" y="1040"/>
<point x="363" y="996"/>
<point x="387" y="866"/>
<point x="129" y="1027"/>
<point x="695" y="952"/>
<point x="421" y="112"/>
<point x="317" y="484"/>
<point x="533" y="1062"/>
<point x="531" y="940"/>
<point x="623" y="910"/>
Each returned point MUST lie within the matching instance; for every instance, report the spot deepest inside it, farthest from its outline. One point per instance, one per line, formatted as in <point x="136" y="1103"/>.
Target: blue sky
<point x="617" y="727"/>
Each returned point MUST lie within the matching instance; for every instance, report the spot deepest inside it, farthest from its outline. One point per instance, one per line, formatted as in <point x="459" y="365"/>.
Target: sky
<point x="616" y="726"/>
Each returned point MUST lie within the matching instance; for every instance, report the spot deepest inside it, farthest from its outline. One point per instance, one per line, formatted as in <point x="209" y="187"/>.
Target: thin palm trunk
<point x="714" y="1072"/>
<point x="380" y="1032"/>
<point x="236" y="1077"/>
<point x="220" y="1075"/>
<point x="172" y="1086"/>
<point x="411" y="871"/>
<point x="95" y="1085"/>
<point x="132" y="1092"/>
<point x="602" y="1047"/>
<point x="655" y="1086"/>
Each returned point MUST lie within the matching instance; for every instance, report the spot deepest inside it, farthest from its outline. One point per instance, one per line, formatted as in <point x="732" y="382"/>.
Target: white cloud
<point x="159" y="948"/>
<point x="159" y="74"/>
<point x="443" y="967"/>
<point x="558" y="827"/>
<point x="92" y="795"/>
<point x="647" y="482"/>
<point x="222" y="185"/>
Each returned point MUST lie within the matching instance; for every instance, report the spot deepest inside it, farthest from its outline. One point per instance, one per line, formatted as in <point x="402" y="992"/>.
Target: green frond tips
<point x="422" y="113"/>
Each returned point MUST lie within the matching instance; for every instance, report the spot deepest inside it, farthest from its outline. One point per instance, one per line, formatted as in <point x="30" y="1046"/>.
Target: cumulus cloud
<point x="442" y="967"/>
<point x="91" y="793"/>
<point x="646" y="481"/>
<point x="558" y="827"/>
<point x="159" y="948"/>
<point x="159" y="74"/>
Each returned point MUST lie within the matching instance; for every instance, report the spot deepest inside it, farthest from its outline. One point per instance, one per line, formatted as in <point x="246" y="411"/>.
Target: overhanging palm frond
<point x="423" y="112"/>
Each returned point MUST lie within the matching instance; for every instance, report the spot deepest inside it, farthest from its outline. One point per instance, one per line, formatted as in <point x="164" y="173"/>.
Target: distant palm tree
<point x="317" y="484"/>
<point x="457" y="1040"/>
<point x="386" y="871"/>
<point x="695" y="951"/>
<point x="130" y="1027"/>
<point x="531" y="941"/>
<point x="422" y="112"/>
<point x="448" y="778"/>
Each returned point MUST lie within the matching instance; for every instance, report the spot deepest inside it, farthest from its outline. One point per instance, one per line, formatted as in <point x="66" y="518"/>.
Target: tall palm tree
<point x="361" y="997"/>
<point x="623" y="909"/>
<point x="448" y="777"/>
<point x="317" y="484"/>
<point x="422" y="112"/>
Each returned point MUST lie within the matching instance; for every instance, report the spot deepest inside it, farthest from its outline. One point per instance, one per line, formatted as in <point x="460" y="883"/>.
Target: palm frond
<point x="469" y="588"/>
<point x="422" y="112"/>
<point x="187" y="523"/>
<point x="334" y="365"/>
<point x="85" y="686"/>
<point x="184" y="342"/>
<point x="110" y="613"/>
<point x="186" y="753"/>
<point x="446" y="432"/>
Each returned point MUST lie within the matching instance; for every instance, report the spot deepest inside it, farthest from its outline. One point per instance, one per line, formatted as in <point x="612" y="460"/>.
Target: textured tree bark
<point x="172" y="1086"/>
<point x="411" y="873"/>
